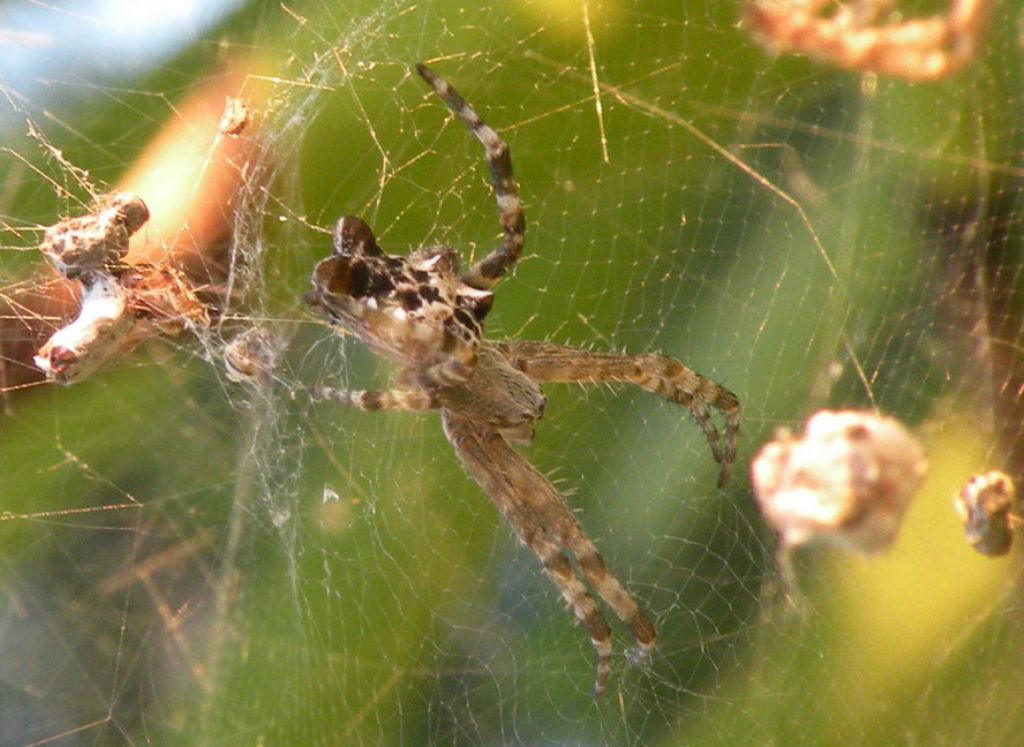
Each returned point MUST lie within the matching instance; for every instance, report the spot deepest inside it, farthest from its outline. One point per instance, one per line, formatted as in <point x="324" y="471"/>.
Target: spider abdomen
<point x="415" y="310"/>
<point x="497" y="395"/>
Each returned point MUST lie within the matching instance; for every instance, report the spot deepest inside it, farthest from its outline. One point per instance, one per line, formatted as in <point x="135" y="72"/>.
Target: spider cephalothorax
<point x="421" y="312"/>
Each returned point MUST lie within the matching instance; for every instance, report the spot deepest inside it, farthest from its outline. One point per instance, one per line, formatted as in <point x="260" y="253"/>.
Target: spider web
<point x="189" y="560"/>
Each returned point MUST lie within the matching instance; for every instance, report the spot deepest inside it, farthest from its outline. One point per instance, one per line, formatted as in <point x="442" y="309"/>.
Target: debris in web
<point x="251" y="357"/>
<point x="850" y="36"/>
<point x="120" y="303"/>
<point x="97" y="242"/>
<point x="236" y="118"/>
<point x="847" y="481"/>
<point x="987" y="506"/>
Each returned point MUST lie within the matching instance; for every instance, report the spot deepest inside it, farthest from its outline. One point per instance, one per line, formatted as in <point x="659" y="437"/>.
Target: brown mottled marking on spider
<point x="420" y="312"/>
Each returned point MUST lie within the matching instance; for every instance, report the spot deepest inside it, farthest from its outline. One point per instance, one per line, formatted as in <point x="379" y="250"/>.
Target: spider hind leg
<point x="658" y="374"/>
<point x="560" y="571"/>
<point x="537" y="513"/>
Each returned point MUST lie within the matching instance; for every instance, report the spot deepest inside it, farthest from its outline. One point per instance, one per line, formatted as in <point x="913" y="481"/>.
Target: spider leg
<point x="535" y="509"/>
<point x="485" y="273"/>
<point x="443" y="374"/>
<point x="657" y="374"/>
<point x="412" y="400"/>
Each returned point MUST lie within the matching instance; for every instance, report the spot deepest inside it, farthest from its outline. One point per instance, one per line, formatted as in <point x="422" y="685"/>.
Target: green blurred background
<point x="185" y="560"/>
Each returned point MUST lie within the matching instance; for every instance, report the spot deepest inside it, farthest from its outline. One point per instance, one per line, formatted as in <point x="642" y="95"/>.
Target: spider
<point x="425" y="315"/>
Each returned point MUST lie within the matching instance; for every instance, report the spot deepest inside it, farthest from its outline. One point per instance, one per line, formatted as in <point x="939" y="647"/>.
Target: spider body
<point x="423" y="313"/>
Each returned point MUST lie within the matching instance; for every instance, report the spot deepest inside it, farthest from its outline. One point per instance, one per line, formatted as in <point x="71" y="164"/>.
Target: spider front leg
<point x="409" y="400"/>
<point x="657" y="374"/>
<point x="539" y="516"/>
<point x="484" y="274"/>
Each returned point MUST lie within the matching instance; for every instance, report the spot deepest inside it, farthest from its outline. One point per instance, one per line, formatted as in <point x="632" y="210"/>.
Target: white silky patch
<point x="82" y="345"/>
